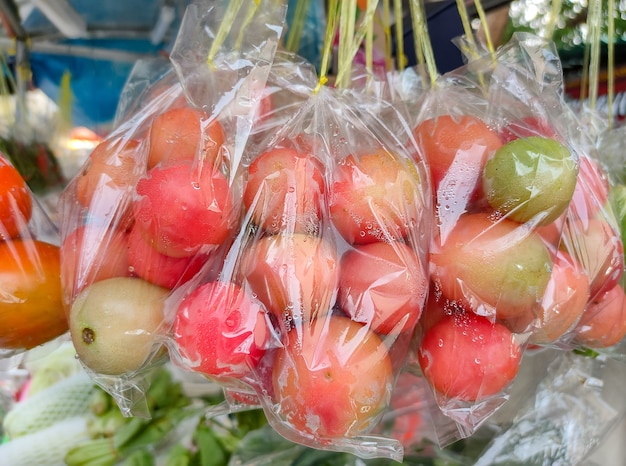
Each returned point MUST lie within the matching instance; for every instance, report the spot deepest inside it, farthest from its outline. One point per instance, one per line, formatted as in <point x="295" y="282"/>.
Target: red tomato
<point x="165" y="271"/>
<point x="375" y="197"/>
<point x="92" y="253"/>
<point x="295" y="276"/>
<point x="177" y="133"/>
<point x="16" y="205"/>
<point x="183" y="210"/>
<point x="332" y="379"/>
<point x="383" y="286"/>
<point x="599" y="249"/>
<point x="220" y="330"/>
<point x="107" y="179"/>
<point x="563" y="302"/>
<point x="592" y="189"/>
<point x="285" y="191"/>
<point x="492" y="266"/>
<point x="603" y="323"/>
<point x="456" y="149"/>
<point x="469" y="358"/>
<point x="31" y="304"/>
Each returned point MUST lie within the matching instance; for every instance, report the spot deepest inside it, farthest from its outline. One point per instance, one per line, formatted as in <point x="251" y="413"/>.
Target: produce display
<point x="370" y="273"/>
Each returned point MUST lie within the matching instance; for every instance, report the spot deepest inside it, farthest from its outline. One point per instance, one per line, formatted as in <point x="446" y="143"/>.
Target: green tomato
<point x="531" y="178"/>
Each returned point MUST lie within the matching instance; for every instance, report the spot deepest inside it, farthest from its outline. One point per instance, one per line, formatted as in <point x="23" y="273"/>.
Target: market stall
<point x="307" y="233"/>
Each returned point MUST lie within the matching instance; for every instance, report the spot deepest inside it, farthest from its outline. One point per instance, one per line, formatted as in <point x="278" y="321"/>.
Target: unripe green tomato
<point x="531" y="178"/>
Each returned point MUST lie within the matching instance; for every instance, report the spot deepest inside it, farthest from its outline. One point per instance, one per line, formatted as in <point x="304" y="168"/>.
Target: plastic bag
<point x="504" y="173"/>
<point x="334" y="245"/>
<point x="31" y="307"/>
<point x="159" y="198"/>
<point x="572" y="409"/>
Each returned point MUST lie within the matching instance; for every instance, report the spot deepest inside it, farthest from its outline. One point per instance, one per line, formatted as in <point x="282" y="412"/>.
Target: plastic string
<point x="370" y="17"/>
<point x="347" y="19"/>
<point x="555" y="11"/>
<point x="472" y="50"/>
<point x="252" y="9"/>
<point x="611" y="60"/>
<point x="485" y="26"/>
<point x="387" y="31"/>
<point x="227" y="23"/>
<point x="593" y="20"/>
<point x="329" y="39"/>
<point x="401" y="57"/>
<point x="420" y="31"/>
<point x="297" y="25"/>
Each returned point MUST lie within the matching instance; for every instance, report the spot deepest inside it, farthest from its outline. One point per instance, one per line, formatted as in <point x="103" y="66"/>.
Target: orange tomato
<point x="16" y="205"/>
<point x="176" y="134"/>
<point x="456" y="148"/>
<point x="31" y="305"/>
<point x="105" y="182"/>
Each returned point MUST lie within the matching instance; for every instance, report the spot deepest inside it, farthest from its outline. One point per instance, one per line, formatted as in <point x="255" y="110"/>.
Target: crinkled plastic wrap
<point x="159" y="199"/>
<point x="506" y="264"/>
<point x="561" y="421"/>
<point x="31" y="306"/>
<point x="312" y="313"/>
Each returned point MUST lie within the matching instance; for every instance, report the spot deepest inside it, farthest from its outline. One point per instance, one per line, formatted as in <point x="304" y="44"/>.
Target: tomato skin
<point x="31" y="303"/>
<point x="107" y="179"/>
<point x="563" y="303"/>
<point x="456" y="148"/>
<point x="220" y="330"/>
<point x="285" y="190"/>
<point x="492" y="266"/>
<point x="603" y="322"/>
<point x="592" y="190"/>
<point x="176" y="134"/>
<point x="335" y="371"/>
<point x="184" y="210"/>
<point x="294" y="276"/>
<point x="382" y="285"/>
<point x="467" y="357"/>
<point x="155" y="267"/>
<point x="16" y="205"/>
<point x="598" y="246"/>
<point x="91" y="253"/>
<point x="375" y="197"/>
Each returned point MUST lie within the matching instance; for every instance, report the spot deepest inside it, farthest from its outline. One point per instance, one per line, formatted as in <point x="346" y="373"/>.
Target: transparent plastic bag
<point x="504" y="172"/>
<point x="31" y="306"/>
<point x="159" y="199"/>
<point x="334" y="246"/>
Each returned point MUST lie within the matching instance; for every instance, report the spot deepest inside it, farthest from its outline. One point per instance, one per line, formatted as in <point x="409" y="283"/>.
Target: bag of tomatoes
<point x="312" y="314"/>
<point x="506" y="264"/>
<point x="159" y="199"/>
<point x="31" y="306"/>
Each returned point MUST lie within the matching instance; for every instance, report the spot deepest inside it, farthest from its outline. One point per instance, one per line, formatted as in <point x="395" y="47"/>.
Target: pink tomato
<point x="183" y="210"/>
<point x="220" y="330"/>
<point x="285" y="191"/>
<point x="469" y="358"/>
<point x="603" y="323"/>
<point x="155" y="267"/>
<point x="375" y="197"/>
<point x="294" y="276"/>
<point x="332" y="379"/>
<point x="383" y="286"/>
